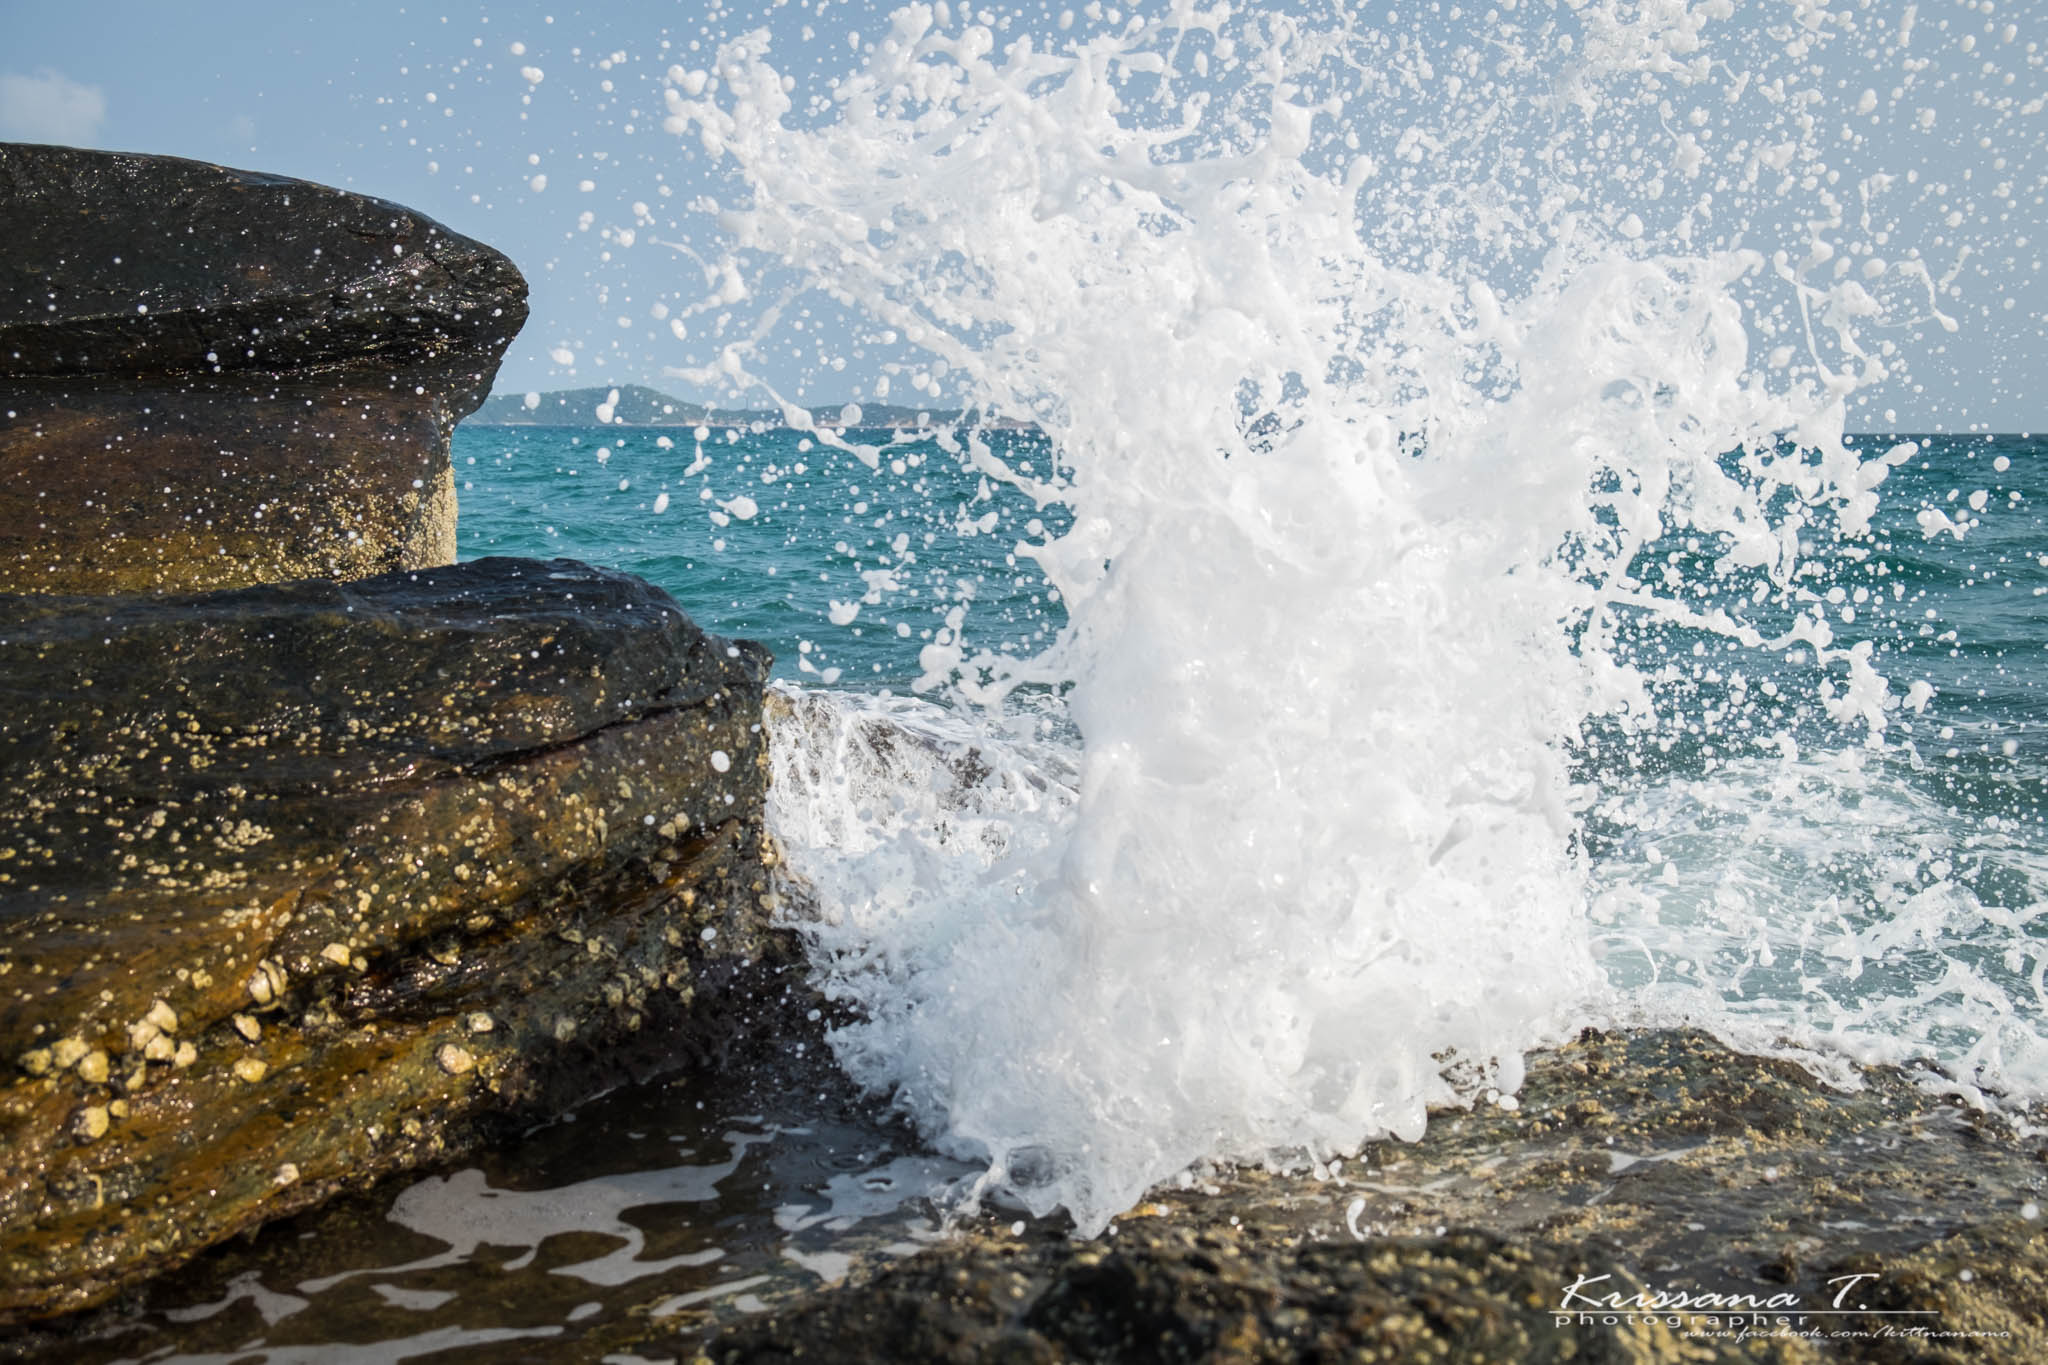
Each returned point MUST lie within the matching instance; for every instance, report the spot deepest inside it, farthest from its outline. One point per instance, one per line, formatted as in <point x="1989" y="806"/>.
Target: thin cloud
<point x="50" y="107"/>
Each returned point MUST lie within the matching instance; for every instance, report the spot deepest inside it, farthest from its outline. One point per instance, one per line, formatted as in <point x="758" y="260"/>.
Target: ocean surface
<point x="1967" y="615"/>
<point x="1763" y="861"/>
<point x="819" y="528"/>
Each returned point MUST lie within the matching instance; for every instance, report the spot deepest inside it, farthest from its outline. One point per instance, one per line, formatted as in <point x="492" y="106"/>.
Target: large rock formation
<point x="211" y="378"/>
<point x="297" y="881"/>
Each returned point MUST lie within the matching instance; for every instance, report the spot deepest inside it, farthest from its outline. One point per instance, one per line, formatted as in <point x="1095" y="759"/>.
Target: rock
<point x="488" y="784"/>
<point x="215" y="378"/>
<point x="1651" y="1163"/>
<point x="1726" y="1174"/>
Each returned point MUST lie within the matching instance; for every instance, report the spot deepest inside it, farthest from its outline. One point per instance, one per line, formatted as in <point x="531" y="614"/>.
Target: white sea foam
<point x="1368" y="385"/>
<point x="1823" y="905"/>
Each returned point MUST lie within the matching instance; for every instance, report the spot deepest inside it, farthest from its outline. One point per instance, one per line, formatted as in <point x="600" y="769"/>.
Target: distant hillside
<point x="639" y="406"/>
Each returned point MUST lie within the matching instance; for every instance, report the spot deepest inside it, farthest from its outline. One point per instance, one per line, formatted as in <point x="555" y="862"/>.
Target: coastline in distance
<point x="636" y="405"/>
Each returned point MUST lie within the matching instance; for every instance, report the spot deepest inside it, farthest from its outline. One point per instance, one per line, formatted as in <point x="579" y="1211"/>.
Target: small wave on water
<point x="1477" y="622"/>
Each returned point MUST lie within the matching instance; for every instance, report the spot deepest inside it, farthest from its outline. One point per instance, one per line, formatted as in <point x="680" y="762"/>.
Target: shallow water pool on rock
<point x="624" y="1229"/>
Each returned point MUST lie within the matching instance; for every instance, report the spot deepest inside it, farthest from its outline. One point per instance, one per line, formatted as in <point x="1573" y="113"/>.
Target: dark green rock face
<point x="212" y="377"/>
<point x="299" y="882"/>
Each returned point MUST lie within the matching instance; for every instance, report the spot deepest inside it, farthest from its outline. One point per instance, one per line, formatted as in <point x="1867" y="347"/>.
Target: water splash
<point x="1383" y="367"/>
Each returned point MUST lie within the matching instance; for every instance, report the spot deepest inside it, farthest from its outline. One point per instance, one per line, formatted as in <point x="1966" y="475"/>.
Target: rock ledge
<point x="218" y="377"/>
<point x="299" y="881"/>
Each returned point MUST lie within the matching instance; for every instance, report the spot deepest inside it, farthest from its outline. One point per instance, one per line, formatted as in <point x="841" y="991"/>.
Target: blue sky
<point x="426" y="104"/>
<point x="340" y="94"/>
<point x="436" y="106"/>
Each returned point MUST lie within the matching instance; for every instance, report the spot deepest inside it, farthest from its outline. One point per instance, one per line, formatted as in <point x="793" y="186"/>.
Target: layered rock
<point x="211" y="378"/>
<point x="296" y="882"/>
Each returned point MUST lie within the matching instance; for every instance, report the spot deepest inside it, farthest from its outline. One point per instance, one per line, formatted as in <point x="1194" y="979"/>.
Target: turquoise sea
<point x="1968" y="616"/>
<point x="1749" y="847"/>
<point x="823" y="519"/>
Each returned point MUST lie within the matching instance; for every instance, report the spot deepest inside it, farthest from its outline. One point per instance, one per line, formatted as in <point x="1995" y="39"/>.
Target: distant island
<point x="636" y="405"/>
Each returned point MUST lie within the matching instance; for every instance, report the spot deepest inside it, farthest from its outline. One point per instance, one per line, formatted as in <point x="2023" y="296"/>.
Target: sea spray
<point x="1834" y="906"/>
<point x="1378" y="364"/>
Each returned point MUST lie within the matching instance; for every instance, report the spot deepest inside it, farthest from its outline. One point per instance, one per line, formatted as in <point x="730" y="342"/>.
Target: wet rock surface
<point x="791" y="1230"/>
<point x="212" y="377"/>
<point x="1884" y="1225"/>
<point x="629" y="1224"/>
<point x="302" y="884"/>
